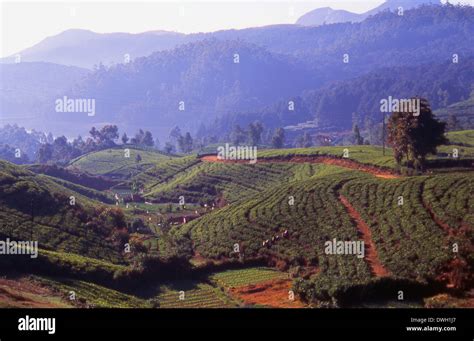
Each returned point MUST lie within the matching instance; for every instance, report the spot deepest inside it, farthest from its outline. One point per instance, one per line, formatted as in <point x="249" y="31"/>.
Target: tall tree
<point x="137" y="140"/>
<point x="125" y="138"/>
<point x="357" y="137"/>
<point x="147" y="139"/>
<point x="188" y="140"/>
<point x="175" y="134"/>
<point x="107" y="135"/>
<point x="237" y="135"/>
<point x="278" y="139"/>
<point x="255" y="133"/>
<point x="185" y="143"/>
<point x="414" y="137"/>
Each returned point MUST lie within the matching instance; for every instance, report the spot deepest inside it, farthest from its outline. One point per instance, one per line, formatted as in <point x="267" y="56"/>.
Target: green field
<point x="277" y="213"/>
<point x="192" y="294"/>
<point x="247" y="276"/>
<point x="372" y="155"/>
<point x="92" y="295"/>
<point x="112" y="162"/>
<point x="464" y="137"/>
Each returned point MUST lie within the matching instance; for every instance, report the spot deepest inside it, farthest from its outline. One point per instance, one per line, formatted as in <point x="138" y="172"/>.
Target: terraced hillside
<point x="279" y="212"/>
<point x="408" y="239"/>
<point x="117" y="163"/>
<point x="192" y="294"/>
<point x="463" y="141"/>
<point x="34" y="207"/>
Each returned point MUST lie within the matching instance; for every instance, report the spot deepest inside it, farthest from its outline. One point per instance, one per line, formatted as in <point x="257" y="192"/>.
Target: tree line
<point x="61" y="151"/>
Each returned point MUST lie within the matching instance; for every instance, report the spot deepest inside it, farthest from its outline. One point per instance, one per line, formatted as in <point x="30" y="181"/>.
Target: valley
<point x="203" y="232"/>
<point x="325" y="161"/>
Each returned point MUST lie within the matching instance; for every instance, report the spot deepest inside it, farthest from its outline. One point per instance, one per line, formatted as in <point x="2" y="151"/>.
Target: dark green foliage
<point x="414" y="137"/>
<point x="33" y="207"/>
<point x="278" y="139"/>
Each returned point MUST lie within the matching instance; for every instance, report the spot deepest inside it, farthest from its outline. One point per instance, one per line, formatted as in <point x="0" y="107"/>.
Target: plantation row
<point x="113" y="162"/>
<point x="409" y="242"/>
<point x="32" y="207"/>
<point x="370" y="155"/>
<point x="205" y="182"/>
<point x="185" y="294"/>
<point x="450" y="197"/>
<point x="315" y="217"/>
<point x="92" y="295"/>
<point x="247" y="276"/>
<point x="165" y="171"/>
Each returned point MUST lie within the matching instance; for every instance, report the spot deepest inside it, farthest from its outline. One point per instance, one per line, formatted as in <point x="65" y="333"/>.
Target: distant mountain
<point x="276" y="63"/>
<point x="327" y="15"/>
<point x="463" y="110"/>
<point x="393" y="5"/>
<point x="383" y="40"/>
<point x="26" y="89"/>
<point x="333" y="105"/>
<point x="193" y="83"/>
<point x="85" y="48"/>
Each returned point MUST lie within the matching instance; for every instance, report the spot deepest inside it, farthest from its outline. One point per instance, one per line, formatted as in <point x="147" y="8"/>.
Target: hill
<point x="201" y="81"/>
<point x="28" y="87"/>
<point x="319" y="214"/>
<point x="190" y="84"/>
<point x="332" y="106"/>
<point x="114" y="163"/>
<point x="34" y="207"/>
<point x="327" y="15"/>
<point x="67" y="48"/>
<point x="462" y="110"/>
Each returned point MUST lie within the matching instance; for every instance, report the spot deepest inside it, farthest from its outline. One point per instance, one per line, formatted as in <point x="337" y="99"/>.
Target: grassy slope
<point x="258" y="197"/>
<point x="461" y="137"/>
<point x="372" y="155"/>
<point x="33" y="207"/>
<point x="89" y="294"/>
<point x="463" y="141"/>
<point x="248" y="276"/>
<point x="318" y="216"/>
<point x="462" y="110"/>
<point x="113" y="162"/>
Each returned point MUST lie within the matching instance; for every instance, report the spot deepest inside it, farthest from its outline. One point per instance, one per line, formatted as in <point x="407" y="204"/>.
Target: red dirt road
<point x="370" y="250"/>
<point x="350" y="164"/>
<point x="272" y="293"/>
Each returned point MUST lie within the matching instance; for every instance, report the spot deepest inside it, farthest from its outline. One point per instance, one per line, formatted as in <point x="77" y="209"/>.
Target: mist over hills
<point x="327" y="15"/>
<point x="275" y="64"/>
<point x="192" y="83"/>
<point x="108" y="48"/>
<point x="27" y="87"/>
<point x="333" y="105"/>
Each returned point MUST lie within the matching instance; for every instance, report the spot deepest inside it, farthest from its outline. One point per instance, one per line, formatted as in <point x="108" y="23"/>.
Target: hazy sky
<point x="24" y="24"/>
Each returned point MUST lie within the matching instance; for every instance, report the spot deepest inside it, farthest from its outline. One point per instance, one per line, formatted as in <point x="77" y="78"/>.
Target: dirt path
<point x="274" y="293"/>
<point x="328" y="160"/>
<point x="457" y="271"/>
<point x="23" y="293"/>
<point x="370" y="250"/>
